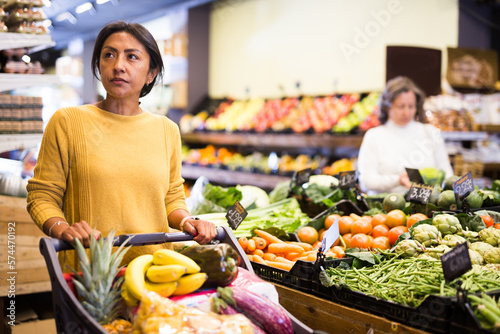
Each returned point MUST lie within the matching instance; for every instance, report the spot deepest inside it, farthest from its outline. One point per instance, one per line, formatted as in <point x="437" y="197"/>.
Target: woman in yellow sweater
<point x="112" y="164"/>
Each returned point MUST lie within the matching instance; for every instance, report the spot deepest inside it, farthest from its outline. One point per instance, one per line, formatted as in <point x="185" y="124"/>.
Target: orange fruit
<point x="497" y="226"/>
<point x="330" y="220"/>
<point x="345" y="223"/>
<point x="317" y="245"/>
<point x="381" y="243"/>
<point x="395" y="232"/>
<point x="395" y="218"/>
<point x="361" y="226"/>
<point x="378" y="219"/>
<point x="361" y="241"/>
<point x="487" y="220"/>
<point x="380" y="231"/>
<point x="308" y="234"/>
<point x="347" y="239"/>
<point x="416" y="217"/>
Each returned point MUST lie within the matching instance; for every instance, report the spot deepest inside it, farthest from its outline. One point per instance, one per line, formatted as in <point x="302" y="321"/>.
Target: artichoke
<point x="437" y="251"/>
<point x="426" y="234"/>
<point x="471" y="236"/>
<point x="447" y="224"/>
<point x="492" y="255"/>
<point x="490" y="235"/>
<point x="452" y="240"/>
<point x="492" y="266"/>
<point x="408" y="248"/>
<point x="480" y="247"/>
<point x="475" y="257"/>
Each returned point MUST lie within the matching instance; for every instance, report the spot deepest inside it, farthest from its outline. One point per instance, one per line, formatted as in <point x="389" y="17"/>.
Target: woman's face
<point x="124" y="66"/>
<point x="403" y="108"/>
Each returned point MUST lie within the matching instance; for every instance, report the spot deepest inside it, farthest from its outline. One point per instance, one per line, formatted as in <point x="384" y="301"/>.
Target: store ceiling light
<point x="47" y="3"/>
<point x="84" y="7"/>
<point x="66" y="16"/>
<point x="46" y="23"/>
<point x="100" y="2"/>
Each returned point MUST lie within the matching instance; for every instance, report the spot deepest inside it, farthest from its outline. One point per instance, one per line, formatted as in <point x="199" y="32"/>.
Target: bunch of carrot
<point x="266" y="248"/>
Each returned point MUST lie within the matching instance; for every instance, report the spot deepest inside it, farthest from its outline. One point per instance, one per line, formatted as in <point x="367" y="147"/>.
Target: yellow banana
<point x="135" y="274"/>
<point x="189" y="283"/>
<point x="165" y="273"/>
<point x="163" y="289"/>
<point x="127" y="297"/>
<point x="168" y="256"/>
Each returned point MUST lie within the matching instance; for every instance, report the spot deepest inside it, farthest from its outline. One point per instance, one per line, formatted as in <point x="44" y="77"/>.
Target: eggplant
<point x="220" y="262"/>
<point x="223" y="308"/>
<point x="258" y="309"/>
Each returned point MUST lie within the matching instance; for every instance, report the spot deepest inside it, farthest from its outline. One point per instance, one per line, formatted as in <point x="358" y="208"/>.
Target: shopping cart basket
<point x="72" y="318"/>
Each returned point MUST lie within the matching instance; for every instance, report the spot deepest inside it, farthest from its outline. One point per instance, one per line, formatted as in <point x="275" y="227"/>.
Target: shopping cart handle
<point x="142" y="239"/>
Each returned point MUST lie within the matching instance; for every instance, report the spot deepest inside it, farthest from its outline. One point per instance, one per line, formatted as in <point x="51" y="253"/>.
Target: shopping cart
<point x="72" y="318"/>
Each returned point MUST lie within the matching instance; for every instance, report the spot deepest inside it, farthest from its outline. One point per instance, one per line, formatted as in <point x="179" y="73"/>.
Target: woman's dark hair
<point x="393" y="88"/>
<point x="142" y="35"/>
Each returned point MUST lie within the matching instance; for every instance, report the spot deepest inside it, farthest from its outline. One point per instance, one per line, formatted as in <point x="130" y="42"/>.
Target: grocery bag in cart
<point x="72" y="318"/>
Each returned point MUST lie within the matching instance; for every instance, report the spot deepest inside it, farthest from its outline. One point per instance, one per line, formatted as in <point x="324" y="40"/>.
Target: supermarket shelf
<point x="274" y="140"/>
<point x="232" y="177"/>
<point x="488" y="127"/>
<point x="11" y="40"/>
<point x="464" y="135"/>
<point x="19" y="142"/>
<point x="15" y="81"/>
<point x="492" y="167"/>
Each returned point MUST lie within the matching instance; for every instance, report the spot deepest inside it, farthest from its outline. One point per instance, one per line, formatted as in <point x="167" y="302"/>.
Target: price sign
<point x="456" y="262"/>
<point x="331" y="235"/>
<point x="419" y="193"/>
<point x="463" y="187"/>
<point x="303" y="176"/>
<point x="235" y="215"/>
<point x="414" y="175"/>
<point x="347" y="179"/>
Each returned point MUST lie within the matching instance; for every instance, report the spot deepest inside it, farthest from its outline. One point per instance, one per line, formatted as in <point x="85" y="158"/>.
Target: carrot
<point x="250" y="257"/>
<point x="258" y="259"/>
<point x="284" y="248"/>
<point x="260" y="243"/>
<point x="243" y="241"/>
<point x="268" y="237"/>
<point x="284" y="260"/>
<point x="269" y="256"/>
<point x="297" y="256"/>
<point x="258" y="252"/>
<point x="280" y="265"/>
<point x="292" y="256"/>
<point x="251" y="246"/>
<point x="305" y="245"/>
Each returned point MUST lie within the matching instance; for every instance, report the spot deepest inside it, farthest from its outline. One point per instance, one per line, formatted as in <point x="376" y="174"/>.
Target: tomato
<point x="361" y="226"/>
<point x="395" y="232"/>
<point x="361" y="241"/>
<point x="487" y="220"/>
<point x="416" y="217"/>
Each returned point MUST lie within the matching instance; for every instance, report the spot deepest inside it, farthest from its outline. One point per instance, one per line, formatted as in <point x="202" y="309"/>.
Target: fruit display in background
<point x="322" y="114"/>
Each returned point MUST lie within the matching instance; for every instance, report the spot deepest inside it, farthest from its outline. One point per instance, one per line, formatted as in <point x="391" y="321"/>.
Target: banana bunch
<point x="165" y="272"/>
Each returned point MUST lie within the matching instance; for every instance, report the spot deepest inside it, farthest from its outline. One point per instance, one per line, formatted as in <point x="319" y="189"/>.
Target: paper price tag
<point x="414" y="175"/>
<point x="347" y="179"/>
<point x="235" y="215"/>
<point x="419" y="193"/>
<point x="463" y="186"/>
<point x="330" y="236"/>
<point x="456" y="262"/>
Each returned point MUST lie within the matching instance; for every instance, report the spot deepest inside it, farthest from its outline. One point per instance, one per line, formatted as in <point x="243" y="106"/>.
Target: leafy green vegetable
<point x="280" y="192"/>
<point x="253" y="197"/>
<point x="490" y="197"/>
<point x="224" y="197"/>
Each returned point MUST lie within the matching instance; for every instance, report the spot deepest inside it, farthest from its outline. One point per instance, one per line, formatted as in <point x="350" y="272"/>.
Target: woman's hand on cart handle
<point x="203" y="231"/>
<point x="58" y="228"/>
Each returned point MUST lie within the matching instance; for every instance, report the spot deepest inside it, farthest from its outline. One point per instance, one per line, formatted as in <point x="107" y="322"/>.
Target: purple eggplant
<point x="273" y="318"/>
<point x="231" y="310"/>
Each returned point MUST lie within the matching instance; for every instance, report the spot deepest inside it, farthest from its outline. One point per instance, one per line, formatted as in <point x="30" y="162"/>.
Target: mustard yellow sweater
<point x="112" y="171"/>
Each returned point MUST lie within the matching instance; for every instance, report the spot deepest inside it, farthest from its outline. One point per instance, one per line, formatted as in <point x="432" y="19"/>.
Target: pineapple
<point x="98" y="292"/>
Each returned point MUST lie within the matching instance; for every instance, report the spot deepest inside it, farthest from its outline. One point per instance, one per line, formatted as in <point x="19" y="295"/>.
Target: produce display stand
<point x="464" y="321"/>
<point x="331" y="317"/>
<point x="71" y="317"/>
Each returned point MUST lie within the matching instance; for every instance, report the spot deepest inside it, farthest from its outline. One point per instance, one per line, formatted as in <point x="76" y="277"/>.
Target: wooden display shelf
<point x="274" y="140"/>
<point x="323" y="315"/>
<point x="487" y="127"/>
<point x="232" y="177"/>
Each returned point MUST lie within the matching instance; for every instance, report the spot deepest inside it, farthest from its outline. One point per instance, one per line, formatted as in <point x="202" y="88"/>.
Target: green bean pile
<point x="409" y="281"/>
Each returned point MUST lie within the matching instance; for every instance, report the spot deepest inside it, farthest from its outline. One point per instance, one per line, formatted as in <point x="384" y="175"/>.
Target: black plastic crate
<point x="464" y="321"/>
<point x="302" y="277"/>
<point x="433" y="315"/>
